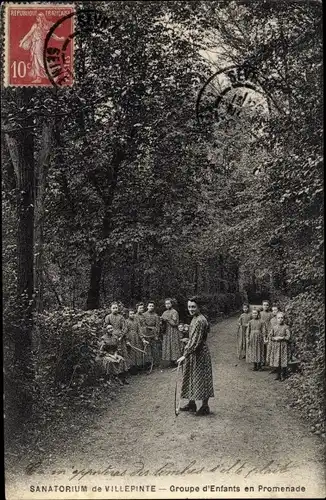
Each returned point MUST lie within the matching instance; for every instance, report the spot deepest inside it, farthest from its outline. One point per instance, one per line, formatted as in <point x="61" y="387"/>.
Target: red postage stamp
<point x="39" y="44"/>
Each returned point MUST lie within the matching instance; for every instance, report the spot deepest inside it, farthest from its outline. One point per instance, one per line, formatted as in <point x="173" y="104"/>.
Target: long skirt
<point x="268" y="352"/>
<point x="197" y="382"/>
<point x="123" y="350"/>
<point x="279" y="355"/>
<point x="148" y="356"/>
<point x="112" y="364"/>
<point x="255" y="347"/>
<point x="241" y="342"/>
<point x="135" y="357"/>
<point x="171" y="344"/>
<point x="156" y="348"/>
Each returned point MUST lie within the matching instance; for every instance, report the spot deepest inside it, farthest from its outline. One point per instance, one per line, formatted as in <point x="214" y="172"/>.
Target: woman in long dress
<point x="197" y="382"/>
<point x="171" y="343"/>
<point x="34" y="42"/>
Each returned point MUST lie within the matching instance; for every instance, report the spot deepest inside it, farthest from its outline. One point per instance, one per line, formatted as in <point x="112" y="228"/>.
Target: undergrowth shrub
<point x="222" y="304"/>
<point x="17" y="389"/>
<point x="66" y="373"/>
<point x="66" y="347"/>
<point x="305" y="316"/>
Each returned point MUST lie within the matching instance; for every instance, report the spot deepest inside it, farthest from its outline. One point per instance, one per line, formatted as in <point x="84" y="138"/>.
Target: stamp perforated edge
<point x="5" y="41"/>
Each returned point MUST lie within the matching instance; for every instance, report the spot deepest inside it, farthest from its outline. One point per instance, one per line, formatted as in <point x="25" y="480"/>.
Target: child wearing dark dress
<point x="141" y="320"/>
<point x="244" y="319"/>
<point x="134" y="342"/>
<point x="171" y="343"/>
<point x="255" y="335"/>
<point x="280" y="338"/>
<point x="153" y="324"/>
<point x="111" y="362"/>
<point x="265" y="316"/>
<point x="272" y="323"/>
<point x="184" y="334"/>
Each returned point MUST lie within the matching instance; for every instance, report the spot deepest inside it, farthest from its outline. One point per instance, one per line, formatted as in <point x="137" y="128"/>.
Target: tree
<point x="20" y="143"/>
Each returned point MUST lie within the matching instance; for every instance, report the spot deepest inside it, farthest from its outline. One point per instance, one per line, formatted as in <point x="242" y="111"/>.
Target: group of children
<point x="136" y="340"/>
<point x="263" y="338"/>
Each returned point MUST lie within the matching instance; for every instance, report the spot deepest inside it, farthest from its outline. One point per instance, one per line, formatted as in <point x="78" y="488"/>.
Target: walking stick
<point x="135" y="348"/>
<point x="280" y="361"/>
<point x="239" y="336"/>
<point x="176" y="404"/>
<point x="151" y="368"/>
<point x="144" y="351"/>
<point x="152" y="361"/>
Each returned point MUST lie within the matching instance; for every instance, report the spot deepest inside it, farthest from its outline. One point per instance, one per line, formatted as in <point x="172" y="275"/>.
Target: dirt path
<point x="249" y="426"/>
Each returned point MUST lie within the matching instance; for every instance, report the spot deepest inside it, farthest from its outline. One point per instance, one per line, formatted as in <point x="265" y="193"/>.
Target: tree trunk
<point x="21" y="145"/>
<point x="40" y="186"/>
<point x="94" y="291"/>
<point x="93" y="297"/>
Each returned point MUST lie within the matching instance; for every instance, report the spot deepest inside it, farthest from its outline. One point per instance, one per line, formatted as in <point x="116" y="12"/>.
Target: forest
<point x="112" y="189"/>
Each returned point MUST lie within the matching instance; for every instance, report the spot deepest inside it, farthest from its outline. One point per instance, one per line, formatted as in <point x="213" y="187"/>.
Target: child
<point x="140" y="319"/>
<point x="265" y="313"/>
<point x="171" y="344"/>
<point x="186" y="331"/>
<point x="256" y="332"/>
<point x="152" y="322"/>
<point x="279" y="355"/>
<point x="113" y="364"/>
<point x="134" y="342"/>
<point x="124" y="311"/>
<point x="241" y="334"/>
<point x="265" y="316"/>
<point x="117" y="321"/>
<point x="272" y="323"/>
<point x="184" y="334"/>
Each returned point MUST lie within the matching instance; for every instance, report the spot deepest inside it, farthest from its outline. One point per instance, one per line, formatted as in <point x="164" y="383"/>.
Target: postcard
<point x="163" y="290"/>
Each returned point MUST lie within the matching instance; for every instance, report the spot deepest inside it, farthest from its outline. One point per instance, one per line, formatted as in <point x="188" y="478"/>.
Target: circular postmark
<point x="59" y="61"/>
<point x="232" y="101"/>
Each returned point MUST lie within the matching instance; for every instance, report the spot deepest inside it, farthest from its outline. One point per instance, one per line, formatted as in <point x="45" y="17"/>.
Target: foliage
<point x="221" y="304"/>
<point x="66" y="347"/>
<point x="306" y="312"/>
<point x="140" y="203"/>
<point x="272" y="201"/>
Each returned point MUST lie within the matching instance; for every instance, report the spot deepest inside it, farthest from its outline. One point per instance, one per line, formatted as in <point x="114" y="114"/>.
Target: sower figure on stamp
<point x="197" y="382"/>
<point x="280" y="338"/>
<point x="171" y="343"/>
<point x="152" y="322"/>
<point x="34" y="42"/>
